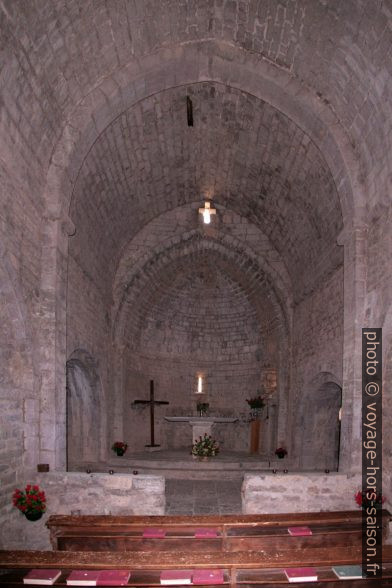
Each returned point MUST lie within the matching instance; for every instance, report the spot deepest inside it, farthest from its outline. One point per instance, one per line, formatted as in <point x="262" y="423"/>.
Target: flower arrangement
<point x="280" y="452"/>
<point x="256" y="402"/>
<point x="31" y="502"/>
<point x="119" y="447"/>
<point x="364" y="502"/>
<point x="205" y="446"/>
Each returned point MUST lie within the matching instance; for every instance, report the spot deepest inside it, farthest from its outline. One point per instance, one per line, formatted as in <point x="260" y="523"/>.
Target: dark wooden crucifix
<point x="152" y="402"/>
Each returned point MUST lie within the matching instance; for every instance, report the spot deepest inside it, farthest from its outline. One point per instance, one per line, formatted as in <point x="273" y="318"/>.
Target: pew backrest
<point x="233" y="533"/>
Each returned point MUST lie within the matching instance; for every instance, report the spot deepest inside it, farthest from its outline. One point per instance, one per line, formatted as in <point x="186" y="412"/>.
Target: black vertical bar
<point x="152" y="412"/>
<point x="189" y="111"/>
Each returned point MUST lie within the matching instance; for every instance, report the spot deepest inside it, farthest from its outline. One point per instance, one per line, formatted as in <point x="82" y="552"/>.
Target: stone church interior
<point x="196" y="214"/>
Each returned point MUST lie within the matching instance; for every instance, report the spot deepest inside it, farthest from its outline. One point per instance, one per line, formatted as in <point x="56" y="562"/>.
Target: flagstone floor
<point x="187" y="497"/>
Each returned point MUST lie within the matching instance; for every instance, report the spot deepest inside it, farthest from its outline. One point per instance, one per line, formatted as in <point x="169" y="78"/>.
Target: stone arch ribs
<point x="158" y="271"/>
<point x="146" y="162"/>
<point x="199" y="62"/>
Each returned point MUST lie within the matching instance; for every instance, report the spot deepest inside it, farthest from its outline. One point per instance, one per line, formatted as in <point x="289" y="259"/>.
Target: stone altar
<point x="200" y="425"/>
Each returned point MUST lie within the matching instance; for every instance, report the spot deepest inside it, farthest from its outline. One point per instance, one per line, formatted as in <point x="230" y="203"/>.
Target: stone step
<point x="182" y="466"/>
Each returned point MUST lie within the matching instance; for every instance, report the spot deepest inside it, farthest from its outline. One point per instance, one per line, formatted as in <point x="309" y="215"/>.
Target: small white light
<point x="206" y="217"/>
<point x="207" y="211"/>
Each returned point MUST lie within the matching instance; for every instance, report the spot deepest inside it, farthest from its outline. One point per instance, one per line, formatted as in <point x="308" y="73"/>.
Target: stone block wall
<point x="19" y="400"/>
<point x="87" y="310"/>
<point x="80" y="493"/>
<point x="317" y="360"/>
<point x="318" y="331"/>
<point x="295" y="492"/>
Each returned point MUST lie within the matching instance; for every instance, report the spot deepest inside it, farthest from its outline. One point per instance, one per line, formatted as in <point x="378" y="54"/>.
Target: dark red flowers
<point x="31" y="500"/>
<point x="119" y="445"/>
<point x="362" y="500"/>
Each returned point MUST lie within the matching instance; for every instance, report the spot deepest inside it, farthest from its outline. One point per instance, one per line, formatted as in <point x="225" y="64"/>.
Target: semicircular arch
<point x="242" y="267"/>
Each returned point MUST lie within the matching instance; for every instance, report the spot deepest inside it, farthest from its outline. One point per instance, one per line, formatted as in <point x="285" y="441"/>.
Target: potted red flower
<point x="363" y="501"/>
<point x="280" y="452"/>
<point x="31" y="502"/>
<point x="119" y="447"/>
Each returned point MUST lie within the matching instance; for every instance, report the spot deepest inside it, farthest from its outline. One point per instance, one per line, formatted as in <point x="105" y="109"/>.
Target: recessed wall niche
<point x="202" y="322"/>
<point x="84" y="407"/>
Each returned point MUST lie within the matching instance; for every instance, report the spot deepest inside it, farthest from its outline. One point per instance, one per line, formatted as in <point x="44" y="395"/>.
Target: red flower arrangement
<point x="363" y="501"/>
<point x="32" y="501"/>
<point x="119" y="447"/>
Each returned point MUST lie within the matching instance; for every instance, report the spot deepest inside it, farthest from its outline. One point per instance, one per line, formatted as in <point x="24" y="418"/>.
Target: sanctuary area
<point x="195" y="259"/>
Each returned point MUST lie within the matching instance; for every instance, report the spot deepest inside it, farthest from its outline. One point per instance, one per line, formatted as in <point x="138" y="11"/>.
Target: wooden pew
<point x="246" y="569"/>
<point x="235" y="532"/>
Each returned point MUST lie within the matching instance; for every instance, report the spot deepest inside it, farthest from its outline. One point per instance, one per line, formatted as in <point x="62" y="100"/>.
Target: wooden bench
<point x="243" y="569"/>
<point x="234" y="532"/>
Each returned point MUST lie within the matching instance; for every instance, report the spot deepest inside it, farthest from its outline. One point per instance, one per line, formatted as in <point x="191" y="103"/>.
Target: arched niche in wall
<point x="319" y="424"/>
<point x="210" y="310"/>
<point x="83" y="410"/>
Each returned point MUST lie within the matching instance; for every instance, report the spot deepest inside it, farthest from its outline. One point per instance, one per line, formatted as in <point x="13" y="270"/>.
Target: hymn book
<point x="299" y="531"/>
<point x="42" y="577"/>
<point x="83" y="578"/>
<point x="348" y="572"/>
<point x="208" y="577"/>
<point x="113" y="578"/>
<point x="301" y="574"/>
<point x="176" y="577"/>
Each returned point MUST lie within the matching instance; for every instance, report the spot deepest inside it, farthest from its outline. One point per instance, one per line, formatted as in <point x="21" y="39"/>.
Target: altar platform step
<point x="179" y="464"/>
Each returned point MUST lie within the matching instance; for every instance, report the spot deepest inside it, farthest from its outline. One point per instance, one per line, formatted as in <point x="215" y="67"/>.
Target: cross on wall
<point x="151" y="402"/>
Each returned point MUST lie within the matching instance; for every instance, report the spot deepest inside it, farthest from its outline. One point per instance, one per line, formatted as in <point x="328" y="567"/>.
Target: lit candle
<point x="199" y="384"/>
<point x="207" y="217"/>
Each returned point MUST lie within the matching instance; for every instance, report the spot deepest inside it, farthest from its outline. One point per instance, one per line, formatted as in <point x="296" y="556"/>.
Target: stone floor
<point x="189" y="497"/>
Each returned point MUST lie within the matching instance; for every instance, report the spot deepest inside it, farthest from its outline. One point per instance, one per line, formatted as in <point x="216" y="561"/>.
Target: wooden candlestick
<point x="254" y="436"/>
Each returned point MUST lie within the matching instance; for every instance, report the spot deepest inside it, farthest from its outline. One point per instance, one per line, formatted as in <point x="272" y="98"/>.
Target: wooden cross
<point x="152" y="403"/>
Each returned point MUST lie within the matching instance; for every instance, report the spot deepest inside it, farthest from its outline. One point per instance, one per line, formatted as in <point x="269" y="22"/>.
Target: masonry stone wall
<point x="88" y="332"/>
<point x="303" y="47"/>
<point x="80" y="493"/>
<point x="87" y="311"/>
<point x="317" y="354"/>
<point x="293" y="492"/>
<point x="19" y="403"/>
